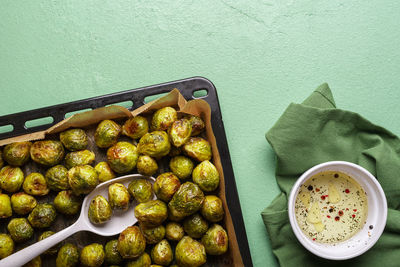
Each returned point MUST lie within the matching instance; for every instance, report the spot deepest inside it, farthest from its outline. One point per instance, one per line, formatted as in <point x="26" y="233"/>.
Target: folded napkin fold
<point x="314" y="132"/>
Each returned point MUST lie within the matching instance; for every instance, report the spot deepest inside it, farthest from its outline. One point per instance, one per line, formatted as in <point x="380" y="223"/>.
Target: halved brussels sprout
<point x="82" y="179"/>
<point x="76" y="158"/>
<point x="141" y="190"/>
<point x="174" y="231"/>
<point x="212" y="208"/>
<point x="215" y="240"/>
<point x="146" y="165"/>
<point x="166" y="185"/>
<point x="153" y="235"/>
<point x="190" y="253"/>
<point x="161" y="253"/>
<point x="99" y="210"/>
<point x="17" y="154"/>
<point x="198" y="149"/>
<point x="195" y="226"/>
<point x="118" y="196"/>
<point x="21" y="203"/>
<point x="66" y="202"/>
<point x="107" y="133"/>
<point x="180" y="132"/>
<point x="135" y="127"/>
<point x="112" y="254"/>
<point x="68" y="256"/>
<point x="47" y="152"/>
<point x="5" y="206"/>
<point x="206" y="176"/>
<point x="155" y="144"/>
<point x="181" y="166"/>
<point x="42" y="216"/>
<point x="74" y="139"/>
<point x="53" y="250"/>
<point x="92" y="255"/>
<point x="35" y="262"/>
<point x="143" y="261"/>
<point x="131" y="243"/>
<point x="57" y="178"/>
<point x="122" y="157"/>
<point x="104" y="171"/>
<point x="197" y="124"/>
<point x="35" y="184"/>
<point x="11" y="178"/>
<point x="163" y="118"/>
<point x="186" y="201"/>
<point x="6" y="246"/>
<point x="20" y="230"/>
<point x="151" y="213"/>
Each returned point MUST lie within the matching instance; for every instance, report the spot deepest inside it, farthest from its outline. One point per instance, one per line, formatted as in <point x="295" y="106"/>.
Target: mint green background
<point x="261" y="55"/>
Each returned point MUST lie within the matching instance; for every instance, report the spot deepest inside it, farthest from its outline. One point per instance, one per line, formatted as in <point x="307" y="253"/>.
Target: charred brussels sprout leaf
<point x="118" y="196"/>
<point x="186" y="201"/>
<point x="74" y="139"/>
<point x="166" y="185"/>
<point x="163" y="119"/>
<point x="212" y="208"/>
<point x="35" y="184"/>
<point x="22" y="203"/>
<point x="141" y="190"/>
<point x="92" y="255"/>
<point x="82" y="179"/>
<point x="195" y="226"/>
<point x="161" y="253"/>
<point x="57" y="178"/>
<point x="190" y="253"/>
<point x="104" y="171"/>
<point x="5" y="206"/>
<point x="131" y="243"/>
<point x="17" y="154"/>
<point x="155" y="144"/>
<point x="151" y="213"/>
<point x="76" y="158"/>
<point x="146" y="165"/>
<point x="68" y="256"/>
<point x="112" y="254"/>
<point x="66" y="202"/>
<point x="197" y="124"/>
<point x="107" y="133"/>
<point x="215" y="240"/>
<point x="180" y="132"/>
<point x="99" y="210"/>
<point x="47" y="152"/>
<point x="206" y="176"/>
<point x="42" y="216"/>
<point x="135" y="127"/>
<point x="174" y="231"/>
<point x="198" y="149"/>
<point x="20" y="230"/>
<point x="6" y="246"/>
<point x="143" y="261"/>
<point x="52" y="250"/>
<point x="11" y="178"/>
<point x="153" y="235"/>
<point x="181" y="166"/>
<point x="122" y="157"/>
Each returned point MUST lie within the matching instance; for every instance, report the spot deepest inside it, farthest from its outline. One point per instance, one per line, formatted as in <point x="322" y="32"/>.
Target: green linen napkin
<point x="314" y="132"/>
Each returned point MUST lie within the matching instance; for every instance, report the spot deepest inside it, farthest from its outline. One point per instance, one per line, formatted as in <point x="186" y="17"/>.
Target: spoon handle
<point x="23" y="256"/>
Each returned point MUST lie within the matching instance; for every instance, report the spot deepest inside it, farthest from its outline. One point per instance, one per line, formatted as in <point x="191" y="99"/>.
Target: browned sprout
<point x="163" y="118"/>
<point x="155" y="144"/>
<point x="161" y="253"/>
<point x="47" y="152"/>
<point x="21" y="203"/>
<point x="174" y="231"/>
<point x="74" y="139"/>
<point x="151" y="213"/>
<point x="104" y="171"/>
<point x="5" y="206"/>
<point x="1" y="159"/>
<point x="6" y="246"/>
<point x="143" y="261"/>
<point x="131" y="243"/>
<point x="107" y="133"/>
<point x="42" y="216"/>
<point x="181" y="166"/>
<point x="198" y="149"/>
<point x="57" y="178"/>
<point x="186" y="201"/>
<point x="166" y="185"/>
<point x="141" y="190"/>
<point x="180" y="132"/>
<point x="35" y="184"/>
<point x="52" y="250"/>
<point x="118" y="197"/>
<point x="153" y="235"/>
<point x="76" y="158"/>
<point x="212" y="208"/>
<point x="66" y="202"/>
<point x="146" y="165"/>
<point x="122" y="157"/>
<point x="99" y="210"/>
<point x="82" y="179"/>
<point x="195" y="226"/>
<point x="11" y="178"/>
<point x="112" y="254"/>
<point x="215" y="240"/>
<point x="92" y="255"/>
<point x="135" y="127"/>
<point x="17" y="154"/>
<point x="68" y="256"/>
<point x="190" y="253"/>
<point x="206" y="176"/>
<point x="20" y="230"/>
<point x="197" y="124"/>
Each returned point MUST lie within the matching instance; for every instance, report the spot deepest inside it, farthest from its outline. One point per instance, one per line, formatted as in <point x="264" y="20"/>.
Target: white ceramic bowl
<point x="365" y="238"/>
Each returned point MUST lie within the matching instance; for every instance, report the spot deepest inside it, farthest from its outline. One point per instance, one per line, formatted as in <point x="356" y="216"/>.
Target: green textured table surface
<point x="261" y="55"/>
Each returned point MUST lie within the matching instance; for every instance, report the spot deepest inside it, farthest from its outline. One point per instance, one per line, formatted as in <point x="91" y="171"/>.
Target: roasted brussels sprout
<point x="163" y="119"/>
<point x="76" y="158"/>
<point x="141" y="190"/>
<point x="146" y="165"/>
<point x="104" y="171"/>
<point x="195" y="226"/>
<point x="68" y="256"/>
<point x="66" y="202"/>
<point x="181" y="166"/>
<point x="212" y="208"/>
<point x="198" y="149"/>
<point x="5" y="206"/>
<point x="131" y="243"/>
<point x="107" y="133"/>
<point x="166" y="185"/>
<point x="186" y="201"/>
<point x="99" y="210"/>
<point x="82" y="179"/>
<point x="53" y="250"/>
<point x="6" y="246"/>
<point x="35" y="184"/>
<point x="215" y="240"/>
<point x="118" y="196"/>
<point x="57" y="178"/>
<point x="112" y="254"/>
<point x="92" y="255"/>
<point x="1" y="159"/>
<point x="206" y="176"/>
<point x="175" y="151"/>
<point x="180" y="132"/>
<point x="161" y="253"/>
<point x="35" y="262"/>
<point x="143" y="261"/>
<point x="151" y="213"/>
<point x="153" y="235"/>
<point x="190" y="253"/>
<point x="135" y="127"/>
<point x="11" y="178"/>
<point x="197" y="124"/>
<point x="42" y="216"/>
<point x="21" y="203"/>
<point x="17" y="154"/>
<point x="174" y="231"/>
<point x="155" y="144"/>
<point x="20" y="230"/>
<point x="122" y="157"/>
<point x="47" y="152"/>
<point x="74" y="139"/>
